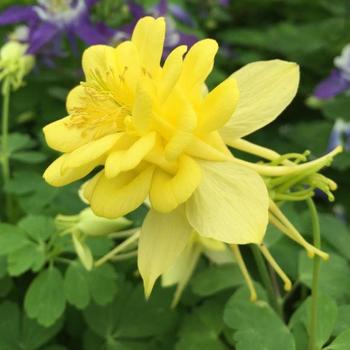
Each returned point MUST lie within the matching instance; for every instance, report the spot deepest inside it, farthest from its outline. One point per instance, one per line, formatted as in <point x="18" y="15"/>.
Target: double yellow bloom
<point x="159" y="133"/>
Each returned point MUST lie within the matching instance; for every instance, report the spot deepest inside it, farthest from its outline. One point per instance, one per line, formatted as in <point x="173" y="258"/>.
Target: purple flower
<point x="50" y="19"/>
<point x="339" y="79"/>
<point x="340" y="135"/>
<point x="174" y="37"/>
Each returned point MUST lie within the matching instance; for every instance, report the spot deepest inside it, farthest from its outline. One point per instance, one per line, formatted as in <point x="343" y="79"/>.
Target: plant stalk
<point x="316" y="271"/>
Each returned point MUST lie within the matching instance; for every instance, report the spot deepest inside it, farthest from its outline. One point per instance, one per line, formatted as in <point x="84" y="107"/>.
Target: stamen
<point x="277" y="218"/>
<point x="269" y="170"/>
<point x="244" y="270"/>
<point x="287" y="282"/>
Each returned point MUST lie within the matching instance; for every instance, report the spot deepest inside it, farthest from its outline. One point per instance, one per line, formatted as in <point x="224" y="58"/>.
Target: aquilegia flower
<point x="158" y="133"/>
<point x="339" y="79"/>
<point x="50" y="19"/>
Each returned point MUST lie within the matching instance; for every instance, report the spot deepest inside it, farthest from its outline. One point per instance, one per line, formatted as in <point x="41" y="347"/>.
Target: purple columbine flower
<point x="173" y="38"/>
<point x="339" y="79"/>
<point x="50" y="19"/>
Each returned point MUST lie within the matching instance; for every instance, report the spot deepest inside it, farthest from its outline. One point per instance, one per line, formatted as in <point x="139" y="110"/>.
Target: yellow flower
<point x="158" y="133"/>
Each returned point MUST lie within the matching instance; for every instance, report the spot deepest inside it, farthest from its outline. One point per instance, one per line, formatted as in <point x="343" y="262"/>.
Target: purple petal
<point x="332" y="86"/>
<point x="224" y="3"/>
<point x="40" y="36"/>
<point x="89" y="33"/>
<point x="90" y="3"/>
<point x="17" y="14"/>
<point x="180" y="14"/>
<point x="136" y="10"/>
<point x="161" y="9"/>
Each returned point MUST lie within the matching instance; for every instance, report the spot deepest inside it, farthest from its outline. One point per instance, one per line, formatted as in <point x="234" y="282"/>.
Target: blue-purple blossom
<point x="50" y="19"/>
<point x="174" y="37"/>
<point x="340" y="135"/>
<point x="339" y="79"/>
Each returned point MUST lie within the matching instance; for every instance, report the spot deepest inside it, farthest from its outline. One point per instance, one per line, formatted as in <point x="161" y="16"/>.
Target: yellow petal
<point x="266" y="88"/>
<point x="168" y="192"/>
<point x="230" y="204"/>
<point x="62" y="137"/>
<point x="171" y="71"/>
<point x="89" y="152"/>
<point x="182" y="116"/>
<point x="163" y="238"/>
<point x="148" y="37"/>
<point x="181" y="271"/>
<point x="219" y="106"/>
<point x="55" y="177"/>
<point x="123" y="160"/>
<point x="87" y="189"/>
<point x="142" y="110"/>
<point x="119" y="196"/>
<point x="198" y="63"/>
<point x="97" y="62"/>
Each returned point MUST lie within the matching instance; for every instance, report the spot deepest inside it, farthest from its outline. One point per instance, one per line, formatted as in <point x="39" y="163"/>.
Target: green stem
<point x="316" y="271"/>
<point x="4" y="141"/>
<point x="266" y="279"/>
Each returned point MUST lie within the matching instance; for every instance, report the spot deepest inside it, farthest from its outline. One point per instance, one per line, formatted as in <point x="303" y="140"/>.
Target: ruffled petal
<point x="266" y="88"/>
<point x="148" y="37"/>
<point x="230" y="204"/>
<point x="198" y="63"/>
<point x="90" y="152"/>
<point x="168" y="192"/>
<point x="163" y="238"/>
<point x="219" y="106"/>
<point x="171" y="71"/>
<point x="55" y="177"/>
<point x="123" y="160"/>
<point x="112" y="198"/>
<point x="63" y="137"/>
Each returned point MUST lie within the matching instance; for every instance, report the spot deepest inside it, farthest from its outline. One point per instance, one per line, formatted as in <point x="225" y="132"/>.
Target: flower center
<point x="59" y="12"/>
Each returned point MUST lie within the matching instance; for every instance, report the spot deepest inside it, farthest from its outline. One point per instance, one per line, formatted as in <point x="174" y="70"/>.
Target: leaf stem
<point x="5" y="165"/>
<point x="316" y="271"/>
<point x="266" y="279"/>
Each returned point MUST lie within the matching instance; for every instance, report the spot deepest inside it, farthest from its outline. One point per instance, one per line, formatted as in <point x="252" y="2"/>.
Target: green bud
<point x="92" y="225"/>
<point x="15" y="64"/>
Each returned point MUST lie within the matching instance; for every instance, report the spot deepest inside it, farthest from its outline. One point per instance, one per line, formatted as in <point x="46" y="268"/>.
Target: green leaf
<point x="216" y="278"/>
<point x="131" y="316"/>
<point x="19" y="141"/>
<point x="44" y="300"/>
<point x="17" y="332"/>
<point x="102" y="283"/>
<point x="31" y="157"/>
<point x="256" y="325"/>
<point x="11" y="238"/>
<point x="343" y="320"/>
<point x="76" y="287"/>
<point x="341" y="342"/>
<point x="336" y="234"/>
<point x="332" y="272"/>
<point x="201" y="329"/>
<point x="6" y="285"/>
<point x="38" y="227"/>
<point x="25" y="258"/>
<point x="326" y="318"/>
<point x="337" y="108"/>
